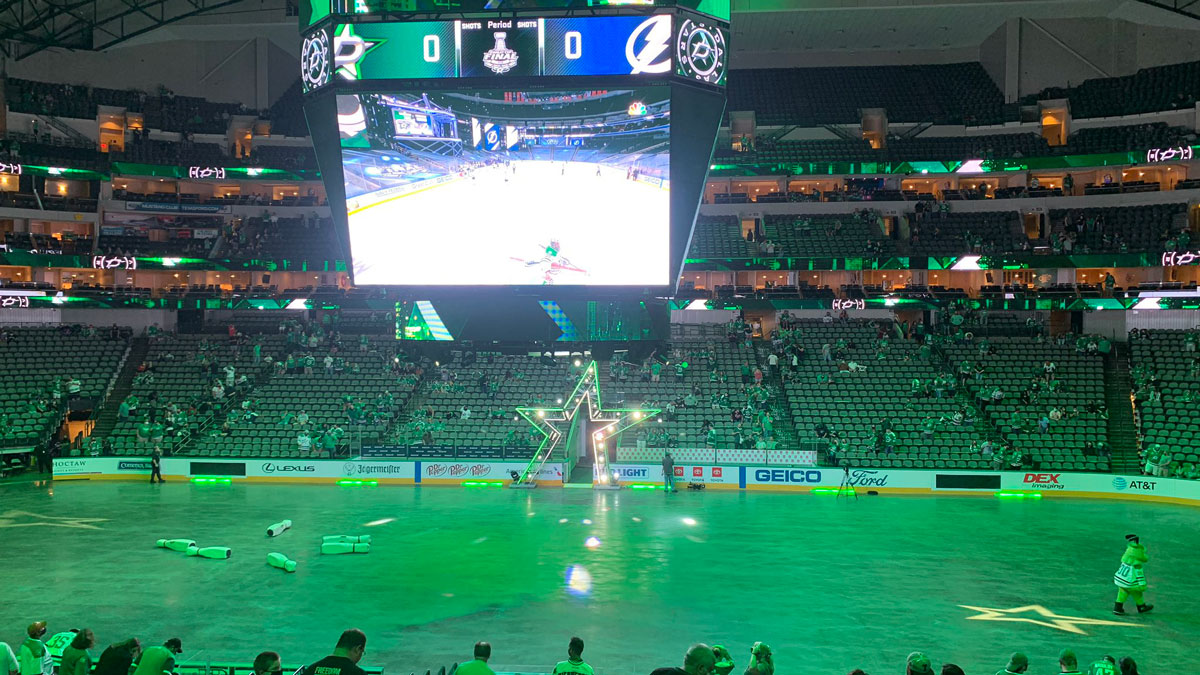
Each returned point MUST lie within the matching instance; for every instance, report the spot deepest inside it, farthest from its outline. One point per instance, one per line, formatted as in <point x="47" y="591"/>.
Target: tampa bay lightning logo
<point x="648" y="49"/>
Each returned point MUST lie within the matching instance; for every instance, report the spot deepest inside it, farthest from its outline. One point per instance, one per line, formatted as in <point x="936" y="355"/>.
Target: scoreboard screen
<point x="490" y="187"/>
<point x="507" y="47"/>
<point x="616" y="45"/>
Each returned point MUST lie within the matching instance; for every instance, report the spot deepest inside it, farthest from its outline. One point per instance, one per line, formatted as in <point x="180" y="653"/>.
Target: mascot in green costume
<point x="1131" y="576"/>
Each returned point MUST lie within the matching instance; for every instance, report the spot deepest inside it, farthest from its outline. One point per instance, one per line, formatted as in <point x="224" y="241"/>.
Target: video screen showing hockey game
<point x="466" y="188"/>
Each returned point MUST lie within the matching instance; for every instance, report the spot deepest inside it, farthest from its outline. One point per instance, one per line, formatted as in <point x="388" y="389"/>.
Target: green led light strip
<point x="833" y="491"/>
<point x="483" y="483"/>
<point x="211" y="480"/>
<point x="356" y="482"/>
<point x="1009" y="494"/>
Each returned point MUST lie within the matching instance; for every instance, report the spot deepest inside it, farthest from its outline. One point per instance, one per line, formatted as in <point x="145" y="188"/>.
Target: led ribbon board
<point x="511" y="47"/>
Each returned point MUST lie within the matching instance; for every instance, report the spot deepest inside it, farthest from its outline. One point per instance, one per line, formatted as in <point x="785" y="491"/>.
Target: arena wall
<point x="817" y="480"/>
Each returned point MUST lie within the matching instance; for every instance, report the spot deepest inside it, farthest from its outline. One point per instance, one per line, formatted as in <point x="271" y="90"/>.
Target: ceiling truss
<point x="30" y="26"/>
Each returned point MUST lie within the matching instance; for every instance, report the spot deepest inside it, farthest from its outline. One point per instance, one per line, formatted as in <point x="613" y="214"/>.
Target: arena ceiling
<point x="900" y="25"/>
<point x="29" y="26"/>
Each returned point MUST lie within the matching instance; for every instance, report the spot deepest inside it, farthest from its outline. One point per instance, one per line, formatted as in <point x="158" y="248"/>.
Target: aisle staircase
<point x="1122" y="429"/>
<point x="138" y="347"/>
<point x="786" y="435"/>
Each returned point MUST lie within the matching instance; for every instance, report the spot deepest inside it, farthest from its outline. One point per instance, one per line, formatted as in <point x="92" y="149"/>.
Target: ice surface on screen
<point x="504" y="188"/>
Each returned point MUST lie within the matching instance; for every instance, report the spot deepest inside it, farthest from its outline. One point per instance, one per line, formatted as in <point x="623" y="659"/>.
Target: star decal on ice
<point x="27" y="519"/>
<point x="554" y="423"/>
<point x="1041" y="617"/>
<point x="349" y="50"/>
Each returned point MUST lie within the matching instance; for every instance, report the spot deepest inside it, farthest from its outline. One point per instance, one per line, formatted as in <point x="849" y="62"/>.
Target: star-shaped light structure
<point x="555" y="422"/>
<point x="349" y="49"/>
<point x="1041" y="617"/>
<point x="28" y="519"/>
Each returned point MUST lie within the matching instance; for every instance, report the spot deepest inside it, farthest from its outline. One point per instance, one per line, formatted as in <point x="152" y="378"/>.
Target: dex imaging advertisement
<point x="508" y="188"/>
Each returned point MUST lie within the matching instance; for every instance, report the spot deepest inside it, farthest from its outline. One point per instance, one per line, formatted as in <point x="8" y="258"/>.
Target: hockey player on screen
<point x="551" y="263"/>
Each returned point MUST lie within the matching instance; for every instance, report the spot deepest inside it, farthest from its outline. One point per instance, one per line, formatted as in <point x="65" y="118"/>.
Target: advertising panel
<point x="457" y="471"/>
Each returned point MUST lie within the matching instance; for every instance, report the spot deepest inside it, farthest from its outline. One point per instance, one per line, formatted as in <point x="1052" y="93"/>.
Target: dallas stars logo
<point x="1041" y="617"/>
<point x="314" y="60"/>
<point x="554" y="423"/>
<point x="349" y="50"/>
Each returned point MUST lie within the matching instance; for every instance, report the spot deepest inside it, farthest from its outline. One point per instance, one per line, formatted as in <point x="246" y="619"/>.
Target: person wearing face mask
<point x="761" y="662"/>
<point x="699" y="660"/>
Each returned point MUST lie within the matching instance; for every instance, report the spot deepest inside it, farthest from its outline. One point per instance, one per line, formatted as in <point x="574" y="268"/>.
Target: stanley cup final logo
<point x="500" y="59"/>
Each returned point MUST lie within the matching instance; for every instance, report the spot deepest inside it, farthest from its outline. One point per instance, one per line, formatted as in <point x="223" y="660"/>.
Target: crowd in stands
<point x="1165" y="365"/>
<point x="271" y="236"/>
<point x="74" y="656"/>
<point x="163" y="109"/>
<point x="1153" y="228"/>
<point x="140" y="149"/>
<point x="901" y="395"/>
<point x="287" y="113"/>
<point x="935" y="228"/>
<point x="943" y="94"/>
<point x="971" y="391"/>
<point x="1171" y="87"/>
<point x="765" y="149"/>
<point x="960" y="93"/>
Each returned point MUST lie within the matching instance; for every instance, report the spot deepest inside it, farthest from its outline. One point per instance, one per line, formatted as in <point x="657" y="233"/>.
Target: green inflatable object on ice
<point x="181" y="545"/>
<point x="214" y="552"/>
<point x="340" y="547"/>
<point x="281" y="561"/>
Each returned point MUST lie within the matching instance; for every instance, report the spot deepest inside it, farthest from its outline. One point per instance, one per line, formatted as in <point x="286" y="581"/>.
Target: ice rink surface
<point x="485" y="228"/>
<point x="830" y="584"/>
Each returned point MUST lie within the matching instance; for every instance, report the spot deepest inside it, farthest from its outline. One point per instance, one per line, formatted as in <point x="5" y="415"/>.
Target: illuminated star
<point x="27" y="519"/>
<point x="1043" y="617"/>
<point x="350" y="49"/>
<point x="555" y="422"/>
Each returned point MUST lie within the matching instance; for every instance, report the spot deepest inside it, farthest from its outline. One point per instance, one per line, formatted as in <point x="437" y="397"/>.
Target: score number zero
<point x="431" y="47"/>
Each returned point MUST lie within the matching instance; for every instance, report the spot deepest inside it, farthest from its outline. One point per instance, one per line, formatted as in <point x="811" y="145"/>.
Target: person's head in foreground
<point x="483" y="650"/>
<point x="1017" y="663"/>
<point x="575" y="649"/>
<point x="267" y="663"/>
<point x="351" y="645"/>
<point x="1068" y="662"/>
<point x="918" y="664"/>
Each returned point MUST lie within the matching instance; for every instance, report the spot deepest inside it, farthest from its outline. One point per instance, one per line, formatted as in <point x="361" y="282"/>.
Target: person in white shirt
<point x="33" y="658"/>
<point x="8" y="660"/>
<point x="304" y="441"/>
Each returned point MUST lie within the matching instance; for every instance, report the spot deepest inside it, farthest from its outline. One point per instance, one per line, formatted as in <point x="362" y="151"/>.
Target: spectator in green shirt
<point x="574" y="665"/>
<point x="75" y="658"/>
<point x="159" y="660"/>
<point x="479" y="666"/>
<point x="1017" y="663"/>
